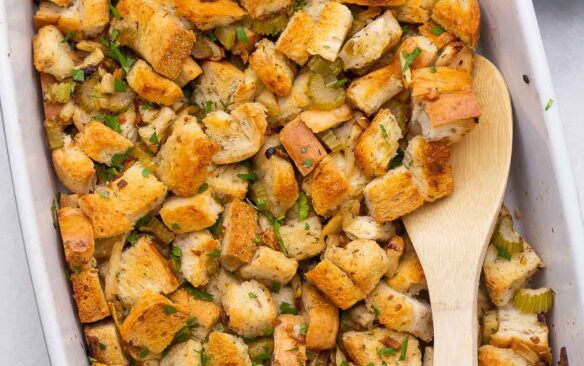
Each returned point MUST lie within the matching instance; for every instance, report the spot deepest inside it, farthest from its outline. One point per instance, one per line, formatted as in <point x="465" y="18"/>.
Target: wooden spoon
<point x="451" y="235"/>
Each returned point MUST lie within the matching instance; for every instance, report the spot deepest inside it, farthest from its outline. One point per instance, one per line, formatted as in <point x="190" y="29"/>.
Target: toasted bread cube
<point x="456" y="55"/>
<point x="370" y="43"/>
<point x="400" y="312"/>
<point x="363" y="261"/>
<point x="205" y="313"/>
<point x="143" y="269"/>
<point x="224" y="84"/>
<point x="429" y="164"/>
<point x="302" y="238"/>
<point x="77" y="235"/>
<point x="371" y="91"/>
<point x="91" y="303"/>
<point x="74" y="169"/>
<point x="158" y="36"/>
<point x="241" y="226"/>
<point x="335" y="284"/>
<point x="240" y="134"/>
<point x="64" y="3"/>
<point x="504" y="277"/>
<point x="186" y="214"/>
<point x="218" y="284"/>
<point x="49" y="13"/>
<point x="378" y="144"/>
<point x="461" y="18"/>
<point x="319" y="121"/>
<point x="150" y="325"/>
<point x="302" y="146"/>
<point x="440" y="40"/>
<point x="328" y="187"/>
<point x="95" y="16"/>
<point x="289" y="343"/>
<point x="51" y="55"/>
<point x="493" y="356"/>
<point x="197" y="265"/>
<point x="294" y="40"/>
<point x="104" y="344"/>
<point x="426" y="57"/>
<point x="260" y="9"/>
<point x="444" y="80"/>
<point x="190" y="71"/>
<point x="361" y="315"/>
<point x="107" y="220"/>
<point x="415" y="11"/>
<point x="374" y="2"/>
<point x="285" y="295"/>
<point x="206" y="15"/>
<point x="330" y="31"/>
<point x="365" y="227"/>
<point x="250" y="308"/>
<point x="409" y="276"/>
<point x="226" y="349"/>
<point x="395" y="250"/>
<point x="224" y="182"/>
<point x="184" y="158"/>
<point x="184" y="354"/>
<point x="268" y="265"/>
<point x="393" y="195"/>
<point x="363" y="347"/>
<point x="101" y="143"/>
<point x="151" y="86"/>
<point x="356" y="179"/>
<point x="322" y="318"/>
<point x="157" y="129"/>
<point x="272" y="68"/>
<point x="291" y="105"/>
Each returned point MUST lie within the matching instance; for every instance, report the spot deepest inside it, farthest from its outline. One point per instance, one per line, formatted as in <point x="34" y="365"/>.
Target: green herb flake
<point x="303" y="149"/>
<point x="405" y="28"/>
<point x="386" y="351"/>
<point x="175" y="226"/>
<point x="201" y="295"/>
<point x="302" y="206"/>
<point x="269" y="332"/>
<point x="154" y="139"/>
<point x="433" y="70"/>
<point x="383" y="131"/>
<point x="397" y="160"/>
<point x="69" y="36"/>
<point x="549" y="104"/>
<point x="376" y="311"/>
<point x="286" y="308"/>
<point x="404" y="349"/>
<point x="344" y="363"/>
<point x="182" y="335"/>
<point x="276" y="286"/>
<point x="143" y="352"/>
<point x="110" y="120"/>
<point x="176" y="252"/>
<point x="276" y="227"/>
<point x="205" y="359"/>
<point x="257" y="240"/>
<point x="299" y="4"/>
<point x="144" y="220"/>
<point x="77" y="270"/>
<point x="114" y="11"/>
<point x="241" y="35"/>
<point x="119" y="159"/>
<point x="340" y="83"/>
<point x="132" y="238"/>
<point x="503" y="253"/>
<point x="145" y="172"/>
<point x="307" y="163"/>
<point x="104" y="194"/>
<point x="252" y="295"/>
<point x="102" y="346"/>
<point x="410" y="58"/>
<point x="306" y="227"/>
<point x="203" y="187"/>
<point x="437" y="30"/>
<point x="251" y="177"/>
<point x="78" y="75"/>
<point x="120" y="86"/>
<point x="217" y="228"/>
<point x="303" y="329"/>
<point x="55" y="210"/>
<point x="212" y="36"/>
<point x="169" y="310"/>
<point x="215" y="253"/>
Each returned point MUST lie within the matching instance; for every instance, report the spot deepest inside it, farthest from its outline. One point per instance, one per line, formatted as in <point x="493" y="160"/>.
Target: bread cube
<point x="493" y="356"/>
<point x="183" y="354"/>
<point x="415" y="11"/>
<point x="91" y="303"/>
<point x="272" y="68"/>
<point x="374" y="2"/>
<point x="51" y="55"/>
<point x="240" y="134"/>
<point x="370" y="43"/>
<point x="400" y="312"/>
<point x="260" y="9"/>
<point x="295" y="102"/>
<point x="74" y="169"/>
<point x="184" y="159"/>
<point x="395" y="250"/>
<point x="456" y="55"/>
<point x="461" y="18"/>
<point x="241" y="227"/>
<point x="294" y="40"/>
<point x="151" y="325"/>
<point x="504" y="277"/>
<point x="77" y="235"/>
<point x="440" y="40"/>
<point x="103" y="343"/>
<point x="289" y="342"/>
<point x="319" y="120"/>
<point x="157" y="129"/>
<point x="409" y="276"/>
<point x="328" y="187"/>
<point x="250" y="308"/>
<point x="95" y="15"/>
<point x="361" y="315"/>
<point x="378" y="144"/>
<point x="222" y="83"/>
<point x="224" y="182"/>
<point x="335" y="284"/>
<point x="62" y="2"/>
<point x="226" y="349"/>
<point x="205" y="313"/>
<point x="101" y="143"/>
<point x="218" y="284"/>
<point x="302" y="146"/>
<point x="322" y="318"/>
<point x="207" y="15"/>
<point x="302" y="238"/>
<point x="365" y="227"/>
<point x="190" y="71"/>
<point x="268" y="265"/>
<point x="142" y="270"/>
<point x="330" y="31"/>
<point x="197" y="264"/>
<point x="426" y="56"/>
<point x="186" y="214"/>
<point x="151" y="86"/>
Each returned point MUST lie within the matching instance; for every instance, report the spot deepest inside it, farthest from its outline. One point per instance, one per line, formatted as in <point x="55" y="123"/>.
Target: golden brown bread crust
<point x="463" y="18"/>
<point x="62" y="2"/>
<point x="374" y="2"/>
<point x="428" y="84"/>
<point x="263" y="8"/>
<point x="95" y="16"/>
<point x="106" y="219"/>
<point x="207" y="313"/>
<point x="74" y="168"/>
<point x="415" y="11"/>
<point x="241" y="227"/>
<point x="493" y="356"/>
<point x="335" y="284"/>
<point x="151" y="86"/>
<point x="439" y="40"/>
<point x="302" y="146"/>
<point x="226" y="350"/>
<point x="294" y="40"/>
<point x="91" y="303"/>
<point x="104" y="344"/>
<point x="100" y="142"/>
<point x="185" y="214"/>
<point x="77" y="235"/>
<point x="209" y="14"/>
<point x="453" y="107"/>
<point x="328" y="186"/>
<point x="323" y="319"/>
<point x="289" y="345"/>
<point x="272" y="67"/>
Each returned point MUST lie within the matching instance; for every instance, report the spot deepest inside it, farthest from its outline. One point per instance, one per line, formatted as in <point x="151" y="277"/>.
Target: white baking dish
<point x="540" y="184"/>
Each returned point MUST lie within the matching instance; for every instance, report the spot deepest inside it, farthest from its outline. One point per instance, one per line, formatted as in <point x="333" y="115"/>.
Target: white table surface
<point x="21" y="338"/>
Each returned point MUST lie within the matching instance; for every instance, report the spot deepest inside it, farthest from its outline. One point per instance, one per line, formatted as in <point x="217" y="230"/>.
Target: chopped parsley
<point x="404" y="349"/>
<point x="203" y="187"/>
<point x="386" y="351"/>
<point x="143" y="352"/>
<point x="201" y="295"/>
<point x="268" y="332"/>
<point x="303" y="329"/>
<point x="145" y="172"/>
<point x="215" y="253"/>
<point x="119" y="159"/>
<point x="307" y="163"/>
<point x="299" y="4"/>
<point x="217" y="228"/>
<point x="175" y="226"/>
<point x="241" y="35"/>
<point x="251" y="177"/>
<point x="405" y="28"/>
<point x="132" y="238"/>
<point x="302" y="206"/>
<point x="383" y="131"/>
<point x="306" y="227"/>
<point x="433" y="70"/>
<point x="503" y="253"/>
<point x="154" y="139"/>
<point x="176" y="255"/>
<point x="104" y="194"/>
<point x="397" y="160"/>
<point x="303" y="149"/>
<point x="169" y="310"/>
<point x="437" y="30"/>
<point x="252" y="295"/>
<point x="286" y="308"/>
<point x="78" y="75"/>
<point x="120" y="86"/>
<point x="549" y="104"/>
<point x="376" y="311"/>
<point x="114" y="11"/>
<point x="257" y="240"/>
<point x="276" y="286"/>
<point x="344" y="363"/>
<point x="102" y="346"/>
<point x="69" y="37"/>
<point x="340" y="83"/>
<point x="110" y="120"/>
<point x="410" y="58"/>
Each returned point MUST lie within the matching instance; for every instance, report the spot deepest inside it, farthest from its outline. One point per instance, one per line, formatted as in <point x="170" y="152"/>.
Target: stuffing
<point x="268" y="265"/>
<point x="186" y="214"/>
<point x="335" y="284"/>
<point x="292" y="104"/>
<point x="239" y="134"/>
<point x="370" y="43"/>
<point x="360" y="315"/>
<point x="426" y="56"/>
<point x="206" y="15"/>
<point x="260" y="9"/>
<point x="77" y="235"/>
<point x="415" y="11"/>
<point x="345" y="162"/>
<point x="190" y="71"/>
<point x="184" y="159"/>
<point x="302" y="146"/>
<point x="504" y="277"/>
<point x="89" y="297"/>
<point x="365" y="227"/>
<point x="374" y="2"/>
<point x="436" y="34"/>
<point x="289" y="341"/>
<point x="272" y="68"/>
<point x="226" y="349"/>
<point x="144" y="270"/>
<point x="401" y="312"/>
<point x="64" y="3"/>
<point x="49" y="13"/>
<point x="250" y="308"/>
<point x="456" y="55"/>
<point x="328" y="187"/>
<point x="183" y="354"/>
<point x="428" y="161"/>
<point x="197" y="262"/>
<point x="218" y="284"/>
<point x="378" y="144"/>
<point x="363" y="347"/>
<point x="225" y="183"/>
<point x="74" y="169"/>
<point x="268" y="99"/>
<point x="445" y="80"/>
<point x="301" y="238"/>
<point x="241" y="227"/>
<point x="101" y="143"/>
<point x="151" y="86"/>
<point x="294" y="40"/>
<point x="393" y="195"/>
<point x="463" y="18"/>
<point x="156" y="131"/>
<point x="330" y="31"/>
<point x="157" y="35"/>
<point x="104" y="344"/>
<point x="319" y="121"/>
<point x="286" y="296"/>
<point x="222" y="83"/>
<point x="493" y="356"/>
<point x="205" y="313"/>
<point x="95" y="15"/>
<point x="409" y="276"/>
<point x="322" y="318"/>
<point x="51" y="55"/>
<point x="150" y="325"/>
<point x="395" y="250"/>
<point x="369" y="92"/>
